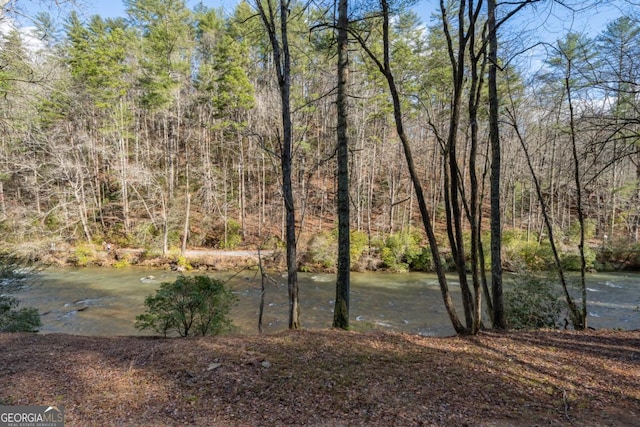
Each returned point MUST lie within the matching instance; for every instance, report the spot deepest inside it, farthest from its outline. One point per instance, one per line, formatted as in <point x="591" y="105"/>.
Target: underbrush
<point x="532" y="303"/>
<point x="400" y="251"/>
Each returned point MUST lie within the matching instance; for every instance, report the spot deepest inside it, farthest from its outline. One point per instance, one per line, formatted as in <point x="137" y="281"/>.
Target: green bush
<point x="512" y="236"/>
<point x="144" y="234"/>
<point x="421" y="261"/>
<point x="234" y="235"/>
<point x="13" y="268"/>
<point x="53" y="222"/>
<point x="527" y="255"/>
<point x="323" y="250"/>
<point x="571" y="260"/>
<point x="532" y="303"/>
<point x="179" y="261"/>
<point x="83" y="255"/>
<point x="192" y="305"/>
<point x="14" y="320"/>
<point x="573" y="234"/>
<point x="619" y="255"/>
<point x="359" y="242"/>
<point x="401" y="250"/>
<point x="121" y="263"/>
<point x="391" y="259"/>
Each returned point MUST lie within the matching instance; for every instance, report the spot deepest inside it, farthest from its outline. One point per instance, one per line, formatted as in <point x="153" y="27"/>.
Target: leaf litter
<point x="329" y="378"/>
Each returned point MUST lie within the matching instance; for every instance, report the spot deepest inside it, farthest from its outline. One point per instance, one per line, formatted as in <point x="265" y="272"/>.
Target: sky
<point x="26" y="10"/>
<point x="115" y="8"/>
<point x="548" y="19"/>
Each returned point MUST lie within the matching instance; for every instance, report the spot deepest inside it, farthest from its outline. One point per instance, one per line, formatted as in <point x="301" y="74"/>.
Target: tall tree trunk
<point x="79" y="194"/>
<point x="165" y="224"/>
<point x="385" y="69"/>
<point x="282" y="62"/>
<point x="637" y="212"/>
<point x="452" y="190"/>
<point x="341" y="311"/>
<point x="241" y="185"/>
<point x="185" y="231"/>
<point x="499" y="320"/>
<point x="3" y="204"/>
<point x="475" y="211"/>
<point x="579" y="317"/>
<point x="123" y="155"/>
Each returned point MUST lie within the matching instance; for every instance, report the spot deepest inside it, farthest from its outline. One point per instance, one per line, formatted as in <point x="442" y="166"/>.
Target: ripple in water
<point x="613" y="285"/>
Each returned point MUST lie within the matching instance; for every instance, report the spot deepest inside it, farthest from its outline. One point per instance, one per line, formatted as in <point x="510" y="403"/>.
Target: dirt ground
<point x="329" y="378"/>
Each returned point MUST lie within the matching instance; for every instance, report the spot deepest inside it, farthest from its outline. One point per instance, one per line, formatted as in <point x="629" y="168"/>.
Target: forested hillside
<point x="162" y="130"/>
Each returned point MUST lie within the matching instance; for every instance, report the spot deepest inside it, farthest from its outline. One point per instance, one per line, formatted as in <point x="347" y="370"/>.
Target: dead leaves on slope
<point x="329" y="378"/>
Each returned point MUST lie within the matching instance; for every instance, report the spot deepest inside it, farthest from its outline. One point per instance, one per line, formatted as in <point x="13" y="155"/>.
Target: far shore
<point x="174" y="259"/>
<point x="82" y="254"/>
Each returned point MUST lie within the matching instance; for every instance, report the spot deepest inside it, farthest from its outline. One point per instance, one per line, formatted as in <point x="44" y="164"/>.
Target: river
<point x="103" y="301"/>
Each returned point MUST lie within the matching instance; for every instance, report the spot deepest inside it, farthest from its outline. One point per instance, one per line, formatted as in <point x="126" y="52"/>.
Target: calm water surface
<point x="103" y="301"/>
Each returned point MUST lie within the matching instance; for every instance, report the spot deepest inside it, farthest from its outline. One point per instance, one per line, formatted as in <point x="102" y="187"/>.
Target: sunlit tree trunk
<point x="279" y="39"/>
<point x="453" y="185"/>
<point x="385" y="68"/>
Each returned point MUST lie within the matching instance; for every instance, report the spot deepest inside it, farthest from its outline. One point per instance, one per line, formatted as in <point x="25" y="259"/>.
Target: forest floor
<point x="329" y="378"/>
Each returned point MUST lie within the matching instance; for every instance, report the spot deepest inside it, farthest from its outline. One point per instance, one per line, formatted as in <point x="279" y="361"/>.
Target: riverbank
<point x="111" y="256"/>
<point x="329" y="378"/>
<point x="315" y="255"/>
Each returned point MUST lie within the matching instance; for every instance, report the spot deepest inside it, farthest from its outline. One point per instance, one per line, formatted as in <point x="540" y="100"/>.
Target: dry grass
<point x="329" y="378"/>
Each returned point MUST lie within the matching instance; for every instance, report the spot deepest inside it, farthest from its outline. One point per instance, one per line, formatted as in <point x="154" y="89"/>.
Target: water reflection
<point x="100" y="301"/>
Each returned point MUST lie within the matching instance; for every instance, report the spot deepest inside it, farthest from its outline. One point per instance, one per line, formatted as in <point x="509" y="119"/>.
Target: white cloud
<point x="31" y="42"/>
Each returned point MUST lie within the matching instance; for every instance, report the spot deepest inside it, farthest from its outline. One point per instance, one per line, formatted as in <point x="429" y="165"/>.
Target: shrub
<point x="528" y="255"/>
<point x="234" y="235"/>
<point x="193" y="305"/>
<point x="401" y="250"/>
<point x="83" y="255"/>
<point x="532" y="303"/>
<point x="573" y="234"/>
<point x="512" y="236"/>
<point x="359" y="242"/>
<point x="391" y="259"/>
<point x="422" y="261"/>
<point x="145" y="234"/>
<point x="121" y="263"/>
<point x="14" y="320"/>
<point x="14" y="268"/>
<point x="53" y="222"/>
<point x="571" y="260"/>
<point x="619" y="255"/>
<point x="323" y="250"/>
<point x="177" y="261"/>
